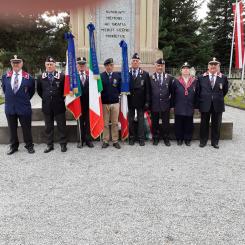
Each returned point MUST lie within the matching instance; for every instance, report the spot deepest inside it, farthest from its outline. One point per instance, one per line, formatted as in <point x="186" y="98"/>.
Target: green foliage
<point x="1" y="100"/>
<point x="179" y="32"/>
<point x="217" y="29"/>
<point x="238" y="102"/>
<point x="33" y="38"/>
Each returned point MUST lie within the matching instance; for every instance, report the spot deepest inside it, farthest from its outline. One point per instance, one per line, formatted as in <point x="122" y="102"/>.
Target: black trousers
<point x="216" y="120"/>
<point x="158" y="129"/>
<point x="25" y="122"/>
<point x="49" y="128"/>
<point x="85" y="126"/>
<point x="131" y="124"/>
<point x="183" y="126"/>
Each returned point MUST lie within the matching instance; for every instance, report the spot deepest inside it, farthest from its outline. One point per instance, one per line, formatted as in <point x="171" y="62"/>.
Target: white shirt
<point x="136" y="72"/>
<point x="19" y="78"/>
<point x="215" y="76"/>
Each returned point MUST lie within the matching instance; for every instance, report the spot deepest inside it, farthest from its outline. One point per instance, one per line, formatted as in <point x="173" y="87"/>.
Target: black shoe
<point x="202" y="145"/>
<point x="48" y="149"/>
<point x="141" y="142"/>
<point x="155" y="142"/>
<point x="116" y="145"/>
<point x="131" y="142"/>
<point x="105" y="145"/>
<point x="216" y="146"/>
<point x="30" y="150"/>
<point x="187" y="142"/>
<point x="179" y="142"/>
<point x="12" y="151"/>
<point x="63" y="148"/>
<point x="89" y="144"/>
<point x="167" y="142"/>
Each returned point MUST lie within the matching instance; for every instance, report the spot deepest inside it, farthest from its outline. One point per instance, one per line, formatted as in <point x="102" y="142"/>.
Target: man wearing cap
<point x="84" y="119"/>
<point x="18" y="87"/>
<point x="50" y="87"/>
<point x="161" y="87"/>
<point x="138" y="99"/>
<point x="211" y="89"/>
<point x="183" y="101"/>
<point x="110" y="99"/>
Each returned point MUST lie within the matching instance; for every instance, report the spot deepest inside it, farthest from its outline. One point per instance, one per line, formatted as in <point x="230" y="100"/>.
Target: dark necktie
<point x="110" y="76"/>
<point x="160" y="79"/>
<point x="50" y="77"/>
<point x="134" y="73"/>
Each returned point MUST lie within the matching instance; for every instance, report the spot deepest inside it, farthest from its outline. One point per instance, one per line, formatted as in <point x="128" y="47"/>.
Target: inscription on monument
<point x="115" y="21"/>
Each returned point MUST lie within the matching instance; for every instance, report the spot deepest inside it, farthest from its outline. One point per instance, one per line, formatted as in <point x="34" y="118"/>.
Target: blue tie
<point x="50" y="76"/>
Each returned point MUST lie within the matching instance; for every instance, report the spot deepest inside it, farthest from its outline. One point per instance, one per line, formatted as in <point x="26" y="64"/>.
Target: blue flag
<point x="125" y="68"/>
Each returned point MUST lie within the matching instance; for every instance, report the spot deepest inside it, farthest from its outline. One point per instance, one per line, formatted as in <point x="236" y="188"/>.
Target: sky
<point x="202" y="12"/>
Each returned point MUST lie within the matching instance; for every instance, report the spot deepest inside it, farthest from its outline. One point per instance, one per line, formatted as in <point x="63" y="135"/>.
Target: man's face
<point x="17" y="66"/>
<point x="185" y="71"/>
<point x="160" y="68"/>
<point x="213" y="68"/>
<point x="135" y="63"/>
<point x="50" y="66"/>
<point x="81" y="67"/>
<point x="109" y="68"/>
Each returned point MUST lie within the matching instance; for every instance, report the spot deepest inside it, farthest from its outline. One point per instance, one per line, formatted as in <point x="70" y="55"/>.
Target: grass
<point x="1" y="100"/>
<point x="238" y="102"/>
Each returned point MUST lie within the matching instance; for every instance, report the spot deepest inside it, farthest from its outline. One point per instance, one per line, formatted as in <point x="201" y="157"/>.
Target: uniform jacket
<point x="18" y="103"/>
<point x="111" y="88"/>
<point x="139" y="90"/>
<point x="206" y="95"/>
<point x="52" y="93"/>
<point x="161" y="93"/>
<point x="183" y="96"/>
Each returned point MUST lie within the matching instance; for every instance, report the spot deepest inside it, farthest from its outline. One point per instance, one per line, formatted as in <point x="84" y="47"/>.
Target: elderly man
<point x="84" y="119"/>
<point x="161" y="87"/>
<point x="18" y="87"/>
<point x="50" y="87"/>
<point x="211" y="89"/>
<point x="110" y="99"/>
<point x="138" y="99"/>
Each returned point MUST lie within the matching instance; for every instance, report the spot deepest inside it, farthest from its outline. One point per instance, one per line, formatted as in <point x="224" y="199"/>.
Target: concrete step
<point x="39" y="136"/>
<point x="37" y="115"/>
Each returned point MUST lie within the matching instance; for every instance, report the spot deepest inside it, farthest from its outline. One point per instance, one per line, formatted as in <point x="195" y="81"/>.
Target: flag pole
<point x="233" y="39"/>
<point x="80" y="143"/>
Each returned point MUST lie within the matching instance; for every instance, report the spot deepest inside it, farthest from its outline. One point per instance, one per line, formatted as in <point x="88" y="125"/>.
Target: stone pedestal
<point x="135" y="21"/>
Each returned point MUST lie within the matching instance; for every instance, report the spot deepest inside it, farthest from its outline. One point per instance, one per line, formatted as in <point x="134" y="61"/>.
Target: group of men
<point x="156" y="93"/>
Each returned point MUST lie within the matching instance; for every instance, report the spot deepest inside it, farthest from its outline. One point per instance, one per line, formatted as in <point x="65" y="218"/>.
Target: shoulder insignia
<point x="57" y="75"/>
<point x="25" y="75"/>
<point x="44" y="75"/>
<point x="9" y="74"/>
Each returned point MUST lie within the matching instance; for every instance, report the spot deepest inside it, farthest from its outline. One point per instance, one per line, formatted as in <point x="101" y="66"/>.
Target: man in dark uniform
<point x="110" y="99"/>
<point x="211" y="89"/>
<point x="50" y="87"/>
<point x="18" y="87"/>
<point x="84" y="119"/>
<point x="161" y="87"/>
<point x="138" y="100"/>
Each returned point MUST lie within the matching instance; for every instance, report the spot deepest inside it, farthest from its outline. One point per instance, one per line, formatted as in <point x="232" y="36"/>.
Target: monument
<point x="135" y="21"/>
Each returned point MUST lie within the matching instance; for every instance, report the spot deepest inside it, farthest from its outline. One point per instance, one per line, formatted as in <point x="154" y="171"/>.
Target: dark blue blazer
<point x="206" y="96"/>
<point x="18" y="103"/>
<point x="184" y="104"/>
<point x="111" y="89"/>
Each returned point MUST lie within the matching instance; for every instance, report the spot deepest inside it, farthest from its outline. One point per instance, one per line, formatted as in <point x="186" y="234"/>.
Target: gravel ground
<point x="136" y="195"/>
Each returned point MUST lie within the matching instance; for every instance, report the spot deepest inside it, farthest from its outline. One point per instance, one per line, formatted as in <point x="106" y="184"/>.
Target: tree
<point x="179" y="32"/>
<point x="217" y="29"/>
<point x="34" y="38"/>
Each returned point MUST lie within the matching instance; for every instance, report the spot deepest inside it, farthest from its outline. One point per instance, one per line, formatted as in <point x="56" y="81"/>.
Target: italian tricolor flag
<point x="95" y="103"/>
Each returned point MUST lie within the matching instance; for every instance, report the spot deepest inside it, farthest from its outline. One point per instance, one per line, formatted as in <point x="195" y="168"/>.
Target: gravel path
<point x="137" y="195"/>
